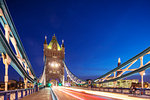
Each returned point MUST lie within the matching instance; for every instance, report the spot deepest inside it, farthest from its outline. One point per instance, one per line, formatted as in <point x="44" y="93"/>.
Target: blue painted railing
<point x="23" y="92"/>
<point x="7" y="94"/>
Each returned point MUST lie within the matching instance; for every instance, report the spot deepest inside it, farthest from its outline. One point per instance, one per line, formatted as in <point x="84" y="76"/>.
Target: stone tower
<point x="53" y="58"/>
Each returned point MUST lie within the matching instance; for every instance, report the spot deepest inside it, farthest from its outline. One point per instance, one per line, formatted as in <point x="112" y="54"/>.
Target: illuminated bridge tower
<point x="53" y="58"/>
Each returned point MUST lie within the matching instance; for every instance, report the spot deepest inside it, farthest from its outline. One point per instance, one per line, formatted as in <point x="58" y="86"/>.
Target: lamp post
<point x="142" y="80"/>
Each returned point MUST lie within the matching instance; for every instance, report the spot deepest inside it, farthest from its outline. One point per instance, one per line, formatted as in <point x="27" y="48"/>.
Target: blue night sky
<point x="96" y="32"/>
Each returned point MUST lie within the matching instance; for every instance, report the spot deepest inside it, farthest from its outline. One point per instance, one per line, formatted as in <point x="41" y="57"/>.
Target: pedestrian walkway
<point x="43" y="94"/>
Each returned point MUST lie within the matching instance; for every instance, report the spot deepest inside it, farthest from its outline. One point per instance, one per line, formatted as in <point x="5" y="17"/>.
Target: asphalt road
<point x="72" y="93"/>
<point x="67" y="94"/>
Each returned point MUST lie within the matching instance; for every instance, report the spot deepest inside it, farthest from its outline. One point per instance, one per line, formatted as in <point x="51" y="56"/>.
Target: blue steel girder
<point x="11" y="24"/>
<point x="6" y="49"/>
<point x="142" y="68"/>
<point x="128" y="74"/>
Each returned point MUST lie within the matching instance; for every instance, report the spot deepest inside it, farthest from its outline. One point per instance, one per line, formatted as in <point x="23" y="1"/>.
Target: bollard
<point x="114" y="90"/>
<point x="33" y="90"/>
<point x="142" y="92"/>
<point x="29" y="91"/>
<point x="121" y="90"/>
<point x="21" y="93"/>
<point x="7" y="96"/>
<point x="37" y="88"/>
<point x="16" y="95"/>
<point x="25" y="92"/>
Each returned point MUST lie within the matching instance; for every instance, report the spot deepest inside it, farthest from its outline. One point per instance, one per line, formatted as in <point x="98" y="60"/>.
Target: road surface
<point x="69" y="94"/>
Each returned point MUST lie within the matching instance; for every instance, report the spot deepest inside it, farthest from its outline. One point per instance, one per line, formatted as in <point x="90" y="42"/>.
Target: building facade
<point x="53" y="57"/>
<point x="121" y="83"/>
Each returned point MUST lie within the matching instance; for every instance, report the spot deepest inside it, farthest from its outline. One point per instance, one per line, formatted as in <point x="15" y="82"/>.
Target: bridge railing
<point x="16" y="94"/>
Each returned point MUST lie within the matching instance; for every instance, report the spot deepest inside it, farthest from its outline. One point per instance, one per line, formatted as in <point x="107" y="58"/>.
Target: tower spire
<point x="119" y="61"/>
<point x="62" y="43"/>
<point x="45" y="42"/>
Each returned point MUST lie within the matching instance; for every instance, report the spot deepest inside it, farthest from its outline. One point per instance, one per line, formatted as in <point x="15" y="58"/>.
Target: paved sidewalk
<point x="43" y="94"/>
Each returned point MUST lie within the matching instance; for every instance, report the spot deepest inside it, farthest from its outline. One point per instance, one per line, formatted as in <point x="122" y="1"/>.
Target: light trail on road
<point x="105" y="94"/>
<point x="67" y="94"/>
<point x="72" y="95"/>
<point x="88" y="96"/>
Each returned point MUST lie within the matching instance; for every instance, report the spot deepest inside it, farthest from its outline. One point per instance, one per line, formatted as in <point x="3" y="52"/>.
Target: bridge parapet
<point x="17" y="94"/>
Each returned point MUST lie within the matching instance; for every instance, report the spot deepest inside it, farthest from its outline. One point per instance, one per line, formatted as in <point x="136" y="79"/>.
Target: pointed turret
<point x="45" y="42"/>
<point x="119" y="61"/>
<point x="62" y="43"/>
<point x="45" y="47"/>
<point x="62" y="46"/>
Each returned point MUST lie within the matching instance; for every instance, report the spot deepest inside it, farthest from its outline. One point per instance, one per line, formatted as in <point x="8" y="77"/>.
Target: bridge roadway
<point x="68" y="93"/>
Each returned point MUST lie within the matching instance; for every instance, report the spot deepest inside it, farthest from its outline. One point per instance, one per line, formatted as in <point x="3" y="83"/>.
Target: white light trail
<point x="72" y="95"/>
<point x="107" y="94"/>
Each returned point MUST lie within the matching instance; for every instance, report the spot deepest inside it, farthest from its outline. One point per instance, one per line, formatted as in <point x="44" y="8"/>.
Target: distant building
<point x="139" y="85"/>
<point x="121" y="83"/>
<point x="12" y="85"/>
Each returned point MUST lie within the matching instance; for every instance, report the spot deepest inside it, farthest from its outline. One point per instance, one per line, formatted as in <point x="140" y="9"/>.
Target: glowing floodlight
<point x="56" y="65"/>
<point x="52" y="64"/>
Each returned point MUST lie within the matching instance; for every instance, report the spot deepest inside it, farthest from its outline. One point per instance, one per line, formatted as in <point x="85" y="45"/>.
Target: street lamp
<point x="142" y="81"/>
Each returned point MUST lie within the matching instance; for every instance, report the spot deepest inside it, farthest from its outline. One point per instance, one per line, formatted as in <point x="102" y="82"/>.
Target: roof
<point x="54" y="40"/>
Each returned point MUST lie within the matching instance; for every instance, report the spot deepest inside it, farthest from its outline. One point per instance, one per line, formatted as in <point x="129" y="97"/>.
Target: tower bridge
<point x="54" y="57"/>
<point x="54" y="67"/>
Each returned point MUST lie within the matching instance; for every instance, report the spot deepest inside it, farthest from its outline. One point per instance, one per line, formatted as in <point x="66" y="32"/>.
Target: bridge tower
<point x="53" y="58"/>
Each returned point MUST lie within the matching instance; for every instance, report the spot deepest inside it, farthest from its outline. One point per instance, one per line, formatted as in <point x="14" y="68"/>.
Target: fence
<point x="16" y="94"/>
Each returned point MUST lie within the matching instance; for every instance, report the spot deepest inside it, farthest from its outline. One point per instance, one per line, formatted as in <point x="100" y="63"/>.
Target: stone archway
<point x="54" y="82"/>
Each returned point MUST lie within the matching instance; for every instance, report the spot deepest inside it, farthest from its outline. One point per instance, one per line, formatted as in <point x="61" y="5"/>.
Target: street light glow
<point x="54" y="64"/>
